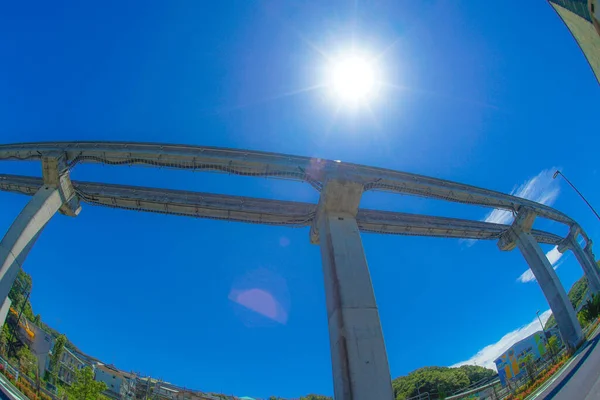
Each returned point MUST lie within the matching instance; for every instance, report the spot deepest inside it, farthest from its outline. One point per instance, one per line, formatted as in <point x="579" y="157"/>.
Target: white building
<point x="112" y="377"/>
<point x="68" y="365"/>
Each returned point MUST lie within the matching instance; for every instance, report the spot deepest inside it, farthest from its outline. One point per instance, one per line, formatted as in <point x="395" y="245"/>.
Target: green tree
<point x="582" y="321"/>
<point x="576" y="294"/>
<point x="18" y="294"/>
<point x="529" y="366"/>
<point x="591" y="310"/>
<point x="27" y="361"/>
<point x="4" y="339"/>
<point x="57" y="351"/>
<point x="85" y="387"/>
<point x="475" y="373"/>
<point x="553" y="346"/>
<point x="440" y="380"/>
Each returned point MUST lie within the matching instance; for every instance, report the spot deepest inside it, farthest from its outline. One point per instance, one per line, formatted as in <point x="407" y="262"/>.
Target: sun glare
<point x="353" y="79"/>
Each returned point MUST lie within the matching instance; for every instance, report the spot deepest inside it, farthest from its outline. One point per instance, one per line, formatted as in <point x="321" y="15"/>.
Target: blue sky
<point x="484" y="93"/>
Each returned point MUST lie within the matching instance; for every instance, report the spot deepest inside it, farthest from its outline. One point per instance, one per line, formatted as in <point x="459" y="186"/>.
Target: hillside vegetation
<point x="441" y="380"/>
<point x="19" y="298"/>
<point x="576" y="295"/>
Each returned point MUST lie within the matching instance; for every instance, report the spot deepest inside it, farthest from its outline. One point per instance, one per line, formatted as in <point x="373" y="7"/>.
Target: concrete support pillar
<point x="22" y="234"/>
<point x="590" y="255"/>
<point x="590" y="269"/>
<point x="358" y="354"/>
<point x="57" y="194"/>
<point x="520" y="236"/>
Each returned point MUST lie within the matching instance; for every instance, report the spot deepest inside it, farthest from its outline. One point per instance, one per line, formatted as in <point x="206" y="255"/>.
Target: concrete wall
<point x="112" y="379"/>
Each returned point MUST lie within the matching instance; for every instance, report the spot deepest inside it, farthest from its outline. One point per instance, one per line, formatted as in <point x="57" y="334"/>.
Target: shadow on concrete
<point x="590" y="345"/>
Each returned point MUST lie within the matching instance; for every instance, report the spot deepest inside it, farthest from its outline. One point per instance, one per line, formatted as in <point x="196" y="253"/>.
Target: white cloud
<point x="486" y="356"/>
<point x="541" y="188"/>
<point x="553" y="256"/>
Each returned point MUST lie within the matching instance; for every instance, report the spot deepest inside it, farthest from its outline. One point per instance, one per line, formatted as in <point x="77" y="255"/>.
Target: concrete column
<point x="358" y="354"/>
<point x="520" y="236"/>
<point x="590" y="255"/>
<point x="21" y="235"/>
<point x="589" y="267"/>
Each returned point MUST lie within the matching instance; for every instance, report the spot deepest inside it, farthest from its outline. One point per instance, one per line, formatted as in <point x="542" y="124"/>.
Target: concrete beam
<point x="266" y="211"/>
<point x="55" y="173"/>
<point x="336" y="196"/>
<point x="254" y="163"/>
<point x="590" y="269"/>
<point x="359" y="359"/>
<point x="519" y="235"/>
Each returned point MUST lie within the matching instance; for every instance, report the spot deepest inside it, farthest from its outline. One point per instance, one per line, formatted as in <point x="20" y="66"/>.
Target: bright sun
<point x="353" y="79"/>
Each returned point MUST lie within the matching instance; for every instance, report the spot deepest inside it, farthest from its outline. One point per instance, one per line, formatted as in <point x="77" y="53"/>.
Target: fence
<point x="18" y="375"/>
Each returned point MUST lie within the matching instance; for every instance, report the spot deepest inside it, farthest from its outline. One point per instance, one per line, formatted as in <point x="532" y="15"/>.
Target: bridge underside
<point x="359" y="359"/>
<point x="265" y="211"/>
<point x="261" y="164"/>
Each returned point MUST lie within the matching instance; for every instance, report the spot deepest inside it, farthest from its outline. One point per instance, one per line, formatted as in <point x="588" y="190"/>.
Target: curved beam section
<point x="263" y="211"/>
<point x="255" y="163"/>
<point x="178" y="202"/>
<point x="395" y="223"/>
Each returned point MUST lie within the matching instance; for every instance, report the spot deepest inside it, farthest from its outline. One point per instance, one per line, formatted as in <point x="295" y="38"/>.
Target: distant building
<point x="128" y="387"/>
<point x="37" y="340"/>
<point x="112" y="377"/>
<point x="576" y="16"/>
<point x="40" y="344"/>
<point x="149" y="388"/>
<point x="69" y="364"/>
<point x="511" y="364"/>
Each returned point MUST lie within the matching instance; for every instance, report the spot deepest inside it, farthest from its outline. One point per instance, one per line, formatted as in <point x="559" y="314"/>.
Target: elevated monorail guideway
<point x="264" y="211"/>
<point x="359" y="359"/>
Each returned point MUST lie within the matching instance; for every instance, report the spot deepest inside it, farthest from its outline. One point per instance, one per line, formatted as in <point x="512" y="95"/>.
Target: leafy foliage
<point x="85" y="387"/>
<point x="591" y="310"/>
<point x="553" y="346"/>
<point x="576" y="294"/>
<point x="4" y="339"/>
<point x="57" y="351"/>
<point x="28" y="362"/>
<point x="530" y="366"/>
<point x="441" y="380"/>
<point x="18" y="294"/>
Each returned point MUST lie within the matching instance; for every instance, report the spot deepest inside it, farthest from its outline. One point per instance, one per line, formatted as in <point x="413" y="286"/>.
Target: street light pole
<point x="543" y="329"/>
<point x="539" y="319"/>
<point x="578" y="192"/>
